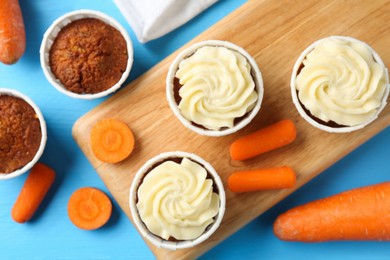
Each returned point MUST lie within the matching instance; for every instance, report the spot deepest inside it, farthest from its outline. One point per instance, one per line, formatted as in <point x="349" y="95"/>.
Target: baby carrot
<point x="34" y="190"/>
<point x="89" y="208"/>
<point x="111" y="140"/>
<point x="12" y="33"/>
<point x="266" y="139"/>
<point x="358" y="214"/>
<point x="262" y="179"/>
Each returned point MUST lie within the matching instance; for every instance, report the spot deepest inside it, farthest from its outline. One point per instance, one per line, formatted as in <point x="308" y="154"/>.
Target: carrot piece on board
<point x="12" y="33"/>
<point x="89" y="208"/>
<point x="35" y="187"/>
<point x="266" y="139"/>
<point x="111" y="140"/>
<point x="262" y="179"/>
<point x="358" y="214"/>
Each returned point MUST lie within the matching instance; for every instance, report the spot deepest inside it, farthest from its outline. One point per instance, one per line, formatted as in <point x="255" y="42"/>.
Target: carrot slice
<point x="266" y="139"/>
<point x="262" y="179"/>
<point x="12" y="32"/>
<point x="111" y="140"/>
<point x="89" y="208"/>
<point x="358" y="214"/>
<point x="35" y="187"/>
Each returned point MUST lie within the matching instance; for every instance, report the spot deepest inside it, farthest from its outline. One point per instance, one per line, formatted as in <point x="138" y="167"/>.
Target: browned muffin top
<point x="88" y="56"/>
<point x="20" y="133"/>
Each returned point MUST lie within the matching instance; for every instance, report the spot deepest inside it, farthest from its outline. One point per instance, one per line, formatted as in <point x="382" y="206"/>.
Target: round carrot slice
<point x="89" y="208"/>
<point x="111" y="140"/>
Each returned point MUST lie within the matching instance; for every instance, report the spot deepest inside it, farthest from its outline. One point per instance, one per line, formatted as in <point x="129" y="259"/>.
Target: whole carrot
<point x="358" y="214"/>
<point x="262" y="179"/>
<point x="34" y="190"/>
<point x="12" y="32"/>
<point x="266" y="139"/>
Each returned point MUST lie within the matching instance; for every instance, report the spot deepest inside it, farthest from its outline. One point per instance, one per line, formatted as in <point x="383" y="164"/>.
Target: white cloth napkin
<point x="151" y="19"/>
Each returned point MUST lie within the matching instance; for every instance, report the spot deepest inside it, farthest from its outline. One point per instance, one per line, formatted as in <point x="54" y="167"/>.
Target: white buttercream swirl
<point x="176" y="200"/>
<point x="341" y="82"/>
<point x="217" y="87"/>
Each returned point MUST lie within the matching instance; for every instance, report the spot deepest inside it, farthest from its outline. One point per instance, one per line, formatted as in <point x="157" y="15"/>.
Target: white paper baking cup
<point x="257" y="77"/>
<point x="28" y="166"/>
<point x="51" y="34"/>
<point x="155" y="240"/>
<point x="309" y="119"/>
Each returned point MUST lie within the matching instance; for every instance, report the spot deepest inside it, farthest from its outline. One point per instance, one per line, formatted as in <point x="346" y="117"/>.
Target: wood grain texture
<point x="274" y="33"/>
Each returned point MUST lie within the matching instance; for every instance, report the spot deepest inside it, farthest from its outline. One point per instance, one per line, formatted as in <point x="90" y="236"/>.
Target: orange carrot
<point x="89" y="208"/>
<point x="358" y="214"/>
<point x="266" y="139"/>
<point x="111" y="140"/>
<point x="12" y="33"/>
<point x="34" y="190"/>
<point x="262" y="179"/>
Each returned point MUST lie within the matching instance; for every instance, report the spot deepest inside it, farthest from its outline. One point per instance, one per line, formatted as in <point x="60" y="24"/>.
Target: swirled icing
<point x="176" y="200"/>
<point x="341" y="82"/>
<point x="217" y="87"/>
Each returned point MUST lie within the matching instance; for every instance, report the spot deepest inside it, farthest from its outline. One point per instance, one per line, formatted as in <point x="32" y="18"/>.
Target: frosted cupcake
<point x="339" y="84"/>
<point x="214" y="88"/>
<point x="177" y="200"/>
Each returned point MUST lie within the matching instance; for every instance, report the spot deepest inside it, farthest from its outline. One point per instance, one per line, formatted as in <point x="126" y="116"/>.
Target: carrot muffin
<point x="88" y="56"/>
<point x="20" y="133"/>
<point x="341" y="83"/>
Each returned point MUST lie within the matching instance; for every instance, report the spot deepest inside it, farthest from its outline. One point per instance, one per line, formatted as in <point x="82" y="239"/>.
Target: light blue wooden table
<point x="50" y="234"/>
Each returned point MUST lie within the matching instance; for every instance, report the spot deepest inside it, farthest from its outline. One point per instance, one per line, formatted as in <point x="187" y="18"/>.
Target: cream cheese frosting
<point x="217" y="87"/>
<point x="341" y="82"/>
<point x="177" y="200"/>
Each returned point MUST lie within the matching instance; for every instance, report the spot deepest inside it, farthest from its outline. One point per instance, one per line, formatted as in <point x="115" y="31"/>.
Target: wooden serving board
<point x="274" y="33"/>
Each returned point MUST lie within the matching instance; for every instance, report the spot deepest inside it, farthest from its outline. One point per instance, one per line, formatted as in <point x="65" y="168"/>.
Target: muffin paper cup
<point x="299" y="106"/>
<point x="29" y="165"/>
<point x="170" y="91"/>
<point x="52" y="33"/>
<point x="157" y="241"/>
